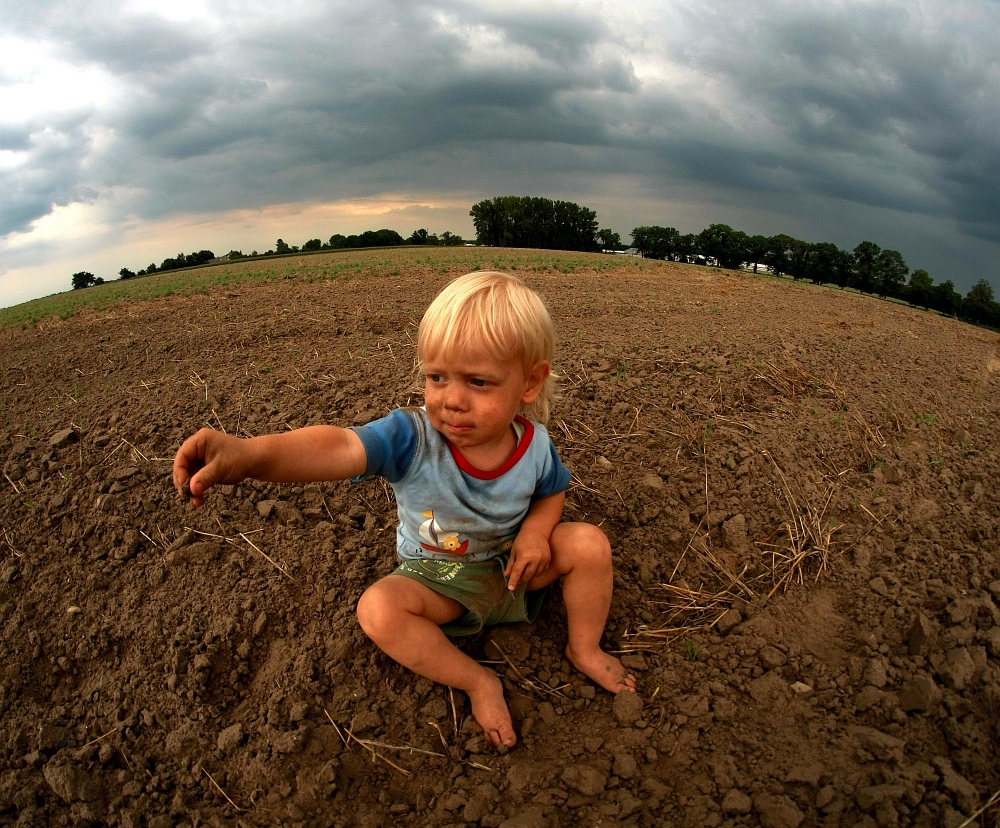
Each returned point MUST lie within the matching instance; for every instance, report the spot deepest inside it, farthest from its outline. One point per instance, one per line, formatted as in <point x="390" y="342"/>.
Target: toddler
<point x="479" y="491"/>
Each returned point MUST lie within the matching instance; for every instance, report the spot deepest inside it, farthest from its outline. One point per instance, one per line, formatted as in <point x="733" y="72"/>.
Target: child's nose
<point x="454" y="397"/>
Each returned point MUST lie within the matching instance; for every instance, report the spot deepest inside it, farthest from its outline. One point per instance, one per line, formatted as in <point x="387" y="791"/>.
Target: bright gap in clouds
<point x="37" y="84"/>
<point x="487" y="48"/>
<point x="176" y="10"/>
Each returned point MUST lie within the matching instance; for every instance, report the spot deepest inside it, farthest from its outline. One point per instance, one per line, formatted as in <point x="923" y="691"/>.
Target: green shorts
<point x="479" y="587"/>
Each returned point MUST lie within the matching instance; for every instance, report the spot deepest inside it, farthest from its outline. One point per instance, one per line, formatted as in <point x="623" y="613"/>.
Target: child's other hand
<point x="530" y="556"/>
<point x="208" y="458"/>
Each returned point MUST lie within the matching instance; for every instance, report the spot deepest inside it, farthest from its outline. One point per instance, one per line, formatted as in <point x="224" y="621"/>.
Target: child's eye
<point x="478" y="383"/>
<point x="434" y="378"/>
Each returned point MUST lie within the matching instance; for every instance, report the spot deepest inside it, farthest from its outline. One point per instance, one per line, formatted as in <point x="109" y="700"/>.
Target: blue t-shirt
<point x="448" y="509"/>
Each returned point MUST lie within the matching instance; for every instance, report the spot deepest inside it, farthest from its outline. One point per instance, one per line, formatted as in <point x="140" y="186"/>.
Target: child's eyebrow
<point x="483" y="374"/>
<point x="465" y="374"/>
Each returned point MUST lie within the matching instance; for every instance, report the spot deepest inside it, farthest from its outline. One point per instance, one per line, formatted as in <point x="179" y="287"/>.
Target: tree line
<point x="526" y="221"/>
<point x="370" y="238"/>
<point x="338" y="241"/>
<point x="530" y="221"/>
<point x="868" y="268"/>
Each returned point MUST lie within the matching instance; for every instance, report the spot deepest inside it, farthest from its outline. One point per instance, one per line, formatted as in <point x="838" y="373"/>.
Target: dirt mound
<point x="800" y="486"/>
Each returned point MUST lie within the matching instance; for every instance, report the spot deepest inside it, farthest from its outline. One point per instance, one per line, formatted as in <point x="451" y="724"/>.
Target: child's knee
<point x="374" y="612"/>
<point x="598" y="545"/>
<point x="587" y="544"/>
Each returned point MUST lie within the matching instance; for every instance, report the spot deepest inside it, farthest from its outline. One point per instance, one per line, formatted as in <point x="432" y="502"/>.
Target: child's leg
<point x="402" y="616"/>
<point x="581" y="556"/>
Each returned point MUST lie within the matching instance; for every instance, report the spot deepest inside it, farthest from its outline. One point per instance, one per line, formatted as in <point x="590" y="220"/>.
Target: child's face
<point x="471" y="397"/>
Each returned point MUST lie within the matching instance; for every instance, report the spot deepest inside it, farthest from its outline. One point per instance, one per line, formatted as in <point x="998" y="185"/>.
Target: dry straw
<point x="219" y="789"/>
<point x="540" y="690"/>
<point x="282" y="568"/>
<point x="688" y="609"/>
<point x="805" y="544"/>
<point x="8" y="541"/>
<point x="981" y="812"/>
<point x="792" y="380"/>
<point x="370" y="745"/>
<point x="809" y="535"/>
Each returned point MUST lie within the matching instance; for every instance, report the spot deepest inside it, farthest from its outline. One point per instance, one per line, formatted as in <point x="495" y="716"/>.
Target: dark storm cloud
<point x="53" y="176"/>
<point x="15" y="138"/>
<point x="136" y="45"/>
<point x="102" y="33"/>
<point x="304" y="104"/>
<point x="880" y="106"/>
<point x="57" y="159"/>
<point x="887" y="107"/>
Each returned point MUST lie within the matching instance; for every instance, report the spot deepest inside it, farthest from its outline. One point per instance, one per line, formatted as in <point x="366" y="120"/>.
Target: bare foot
<point x="490" y="709"/>
<point x="604" y="669"/>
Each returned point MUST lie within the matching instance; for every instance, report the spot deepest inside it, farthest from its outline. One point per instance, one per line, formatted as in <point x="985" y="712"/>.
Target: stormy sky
<point x="132" y="131"/>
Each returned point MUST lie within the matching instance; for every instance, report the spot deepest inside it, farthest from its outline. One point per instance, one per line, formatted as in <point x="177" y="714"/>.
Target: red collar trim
<point x="479" y="474"/>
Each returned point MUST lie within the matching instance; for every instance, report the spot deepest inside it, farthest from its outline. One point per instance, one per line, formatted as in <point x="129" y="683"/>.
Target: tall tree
<point x="489" y="217"/>
<point x="824" y="258"/>
<point x="83" y="279"/>
<point x="687" y="246"/>
<point x="609" y="239"/>
<point x="866" y="266"/>
<point x="657" y="242"/>
<point x="799" y="258"/>
<point x="842" y="268"/>
<point x="945" y="298"/>
<point x="978" y="305"/>
<point x="778" y="253"/>
<point x="920" y="290"/>
<point x="981" y="293"/>
<point x="756" y="249"/>
<point x="724" y="244"/>
<point x="892" y="272"/>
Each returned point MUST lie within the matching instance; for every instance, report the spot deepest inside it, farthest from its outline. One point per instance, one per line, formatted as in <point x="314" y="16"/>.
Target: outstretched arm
<point x="531" y="553"/>
<point x="308" y="454"/>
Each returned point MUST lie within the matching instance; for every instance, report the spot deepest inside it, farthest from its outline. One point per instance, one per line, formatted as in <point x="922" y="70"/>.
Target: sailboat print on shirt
<point x="440" y="540"/>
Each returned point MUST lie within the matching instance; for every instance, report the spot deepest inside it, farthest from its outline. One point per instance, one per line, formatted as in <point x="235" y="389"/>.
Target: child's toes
<point x="627" y="683"/>
<point x="502" y="738"/>
<point x="603" y="668"/>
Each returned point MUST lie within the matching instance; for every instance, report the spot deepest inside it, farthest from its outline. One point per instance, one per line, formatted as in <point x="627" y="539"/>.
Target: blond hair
<point x="500" y="313"/>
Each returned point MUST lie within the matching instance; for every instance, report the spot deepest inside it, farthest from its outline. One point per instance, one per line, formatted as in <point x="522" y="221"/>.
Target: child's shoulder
<point x="540" y="430"/>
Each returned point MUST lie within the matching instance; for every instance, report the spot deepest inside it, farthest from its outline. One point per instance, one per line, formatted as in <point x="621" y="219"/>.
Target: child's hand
<point x="207" y="458"/>
<point x="530" y="556"/>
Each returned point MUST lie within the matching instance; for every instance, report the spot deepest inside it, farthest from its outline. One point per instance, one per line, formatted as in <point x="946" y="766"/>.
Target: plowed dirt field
<point x="800" y="486"/>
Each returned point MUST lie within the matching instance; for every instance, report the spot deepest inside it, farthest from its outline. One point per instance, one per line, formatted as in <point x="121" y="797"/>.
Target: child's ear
<point x="535" y="381"/>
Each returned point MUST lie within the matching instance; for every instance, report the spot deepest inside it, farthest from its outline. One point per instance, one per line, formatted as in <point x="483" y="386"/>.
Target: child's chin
<point x="459" y="435"/>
